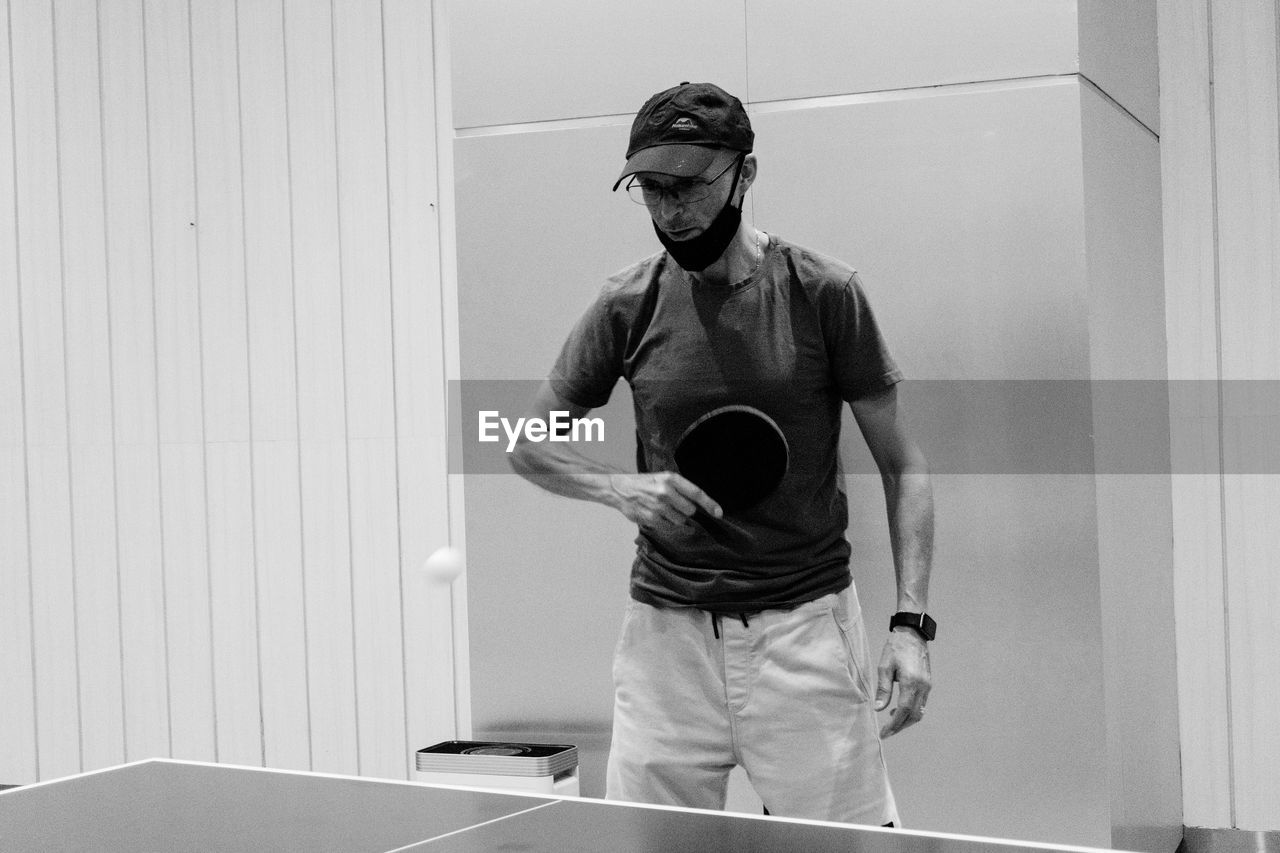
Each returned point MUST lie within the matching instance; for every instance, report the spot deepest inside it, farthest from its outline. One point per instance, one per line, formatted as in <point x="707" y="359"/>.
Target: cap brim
<point x="678" y="161"/>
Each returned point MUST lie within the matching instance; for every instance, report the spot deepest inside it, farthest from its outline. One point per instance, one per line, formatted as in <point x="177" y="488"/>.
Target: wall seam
<point x="774" y="105"/>
<point x="22" y="375"/>
<point x="111" y="375"/>
<point x="248" y="354"/>
<point x="297" y="402"/>
<point x="395" y="388"/>
<point x="1108" y="97"/>
<point x="66" y="383"/>
<point x="346" y="403"/>
<point x="1222" y="480"/>
<point x="446" y="229"/>
<point x="155" y="356"/>
<point x="204" y="422"/>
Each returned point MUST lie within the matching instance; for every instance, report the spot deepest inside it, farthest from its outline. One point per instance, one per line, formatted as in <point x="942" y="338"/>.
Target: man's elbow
<point x="907" y="464"/>
<point x="522" y="457"/>
<point x="915" y="463"/>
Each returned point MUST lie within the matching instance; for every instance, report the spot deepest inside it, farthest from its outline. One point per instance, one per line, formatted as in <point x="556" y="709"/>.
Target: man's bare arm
<point x="653" y="501"/>
<point x="909" y="502"/>
<point x="908" y="494"/>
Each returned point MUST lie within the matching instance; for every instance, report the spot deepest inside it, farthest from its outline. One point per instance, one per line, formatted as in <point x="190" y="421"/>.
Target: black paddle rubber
<point x="736" y="454"/>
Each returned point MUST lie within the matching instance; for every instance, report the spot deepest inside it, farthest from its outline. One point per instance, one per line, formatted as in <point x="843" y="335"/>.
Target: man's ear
<point x="747" y="177"/>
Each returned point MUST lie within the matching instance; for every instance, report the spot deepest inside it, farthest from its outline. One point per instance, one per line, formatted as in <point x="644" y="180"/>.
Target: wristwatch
<point x="924" y="625"/>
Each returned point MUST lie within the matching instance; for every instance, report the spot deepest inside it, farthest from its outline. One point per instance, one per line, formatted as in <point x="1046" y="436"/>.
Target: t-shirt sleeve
<point x="590" y="362"/>
<point x="860" y="359"/>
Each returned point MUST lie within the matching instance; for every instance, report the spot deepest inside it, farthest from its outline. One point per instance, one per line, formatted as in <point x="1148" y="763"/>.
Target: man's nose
<point x="669" y="206"/>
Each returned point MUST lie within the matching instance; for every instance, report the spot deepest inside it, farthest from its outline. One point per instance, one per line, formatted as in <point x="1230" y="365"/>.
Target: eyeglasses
<point x="680" y="192"/>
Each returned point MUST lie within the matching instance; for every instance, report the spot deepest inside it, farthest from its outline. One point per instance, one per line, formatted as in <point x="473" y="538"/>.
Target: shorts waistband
<point x="744" y="616"/>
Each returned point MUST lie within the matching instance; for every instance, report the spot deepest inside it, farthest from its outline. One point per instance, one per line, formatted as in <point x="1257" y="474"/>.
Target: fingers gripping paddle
<point x="736" y="454"/>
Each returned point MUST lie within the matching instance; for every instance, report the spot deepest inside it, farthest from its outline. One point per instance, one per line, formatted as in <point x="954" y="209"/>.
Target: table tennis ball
<point x="444" y="565"/>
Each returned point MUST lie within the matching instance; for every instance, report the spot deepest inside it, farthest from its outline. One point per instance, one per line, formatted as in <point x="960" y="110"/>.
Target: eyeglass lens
<point x="683" y="192"/>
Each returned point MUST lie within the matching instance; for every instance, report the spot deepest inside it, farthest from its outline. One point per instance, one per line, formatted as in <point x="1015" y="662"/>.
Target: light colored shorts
<point x="788" y="696"/>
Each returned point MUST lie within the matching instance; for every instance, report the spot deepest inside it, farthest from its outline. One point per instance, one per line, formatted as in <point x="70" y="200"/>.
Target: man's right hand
<point x="660" y="500"/>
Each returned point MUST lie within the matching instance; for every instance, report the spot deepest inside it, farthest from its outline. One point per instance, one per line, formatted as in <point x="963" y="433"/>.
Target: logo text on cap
<point x="683" y="123"/>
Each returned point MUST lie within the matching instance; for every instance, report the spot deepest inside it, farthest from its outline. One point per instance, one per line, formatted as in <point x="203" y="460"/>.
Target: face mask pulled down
<point x="700" y="252"/>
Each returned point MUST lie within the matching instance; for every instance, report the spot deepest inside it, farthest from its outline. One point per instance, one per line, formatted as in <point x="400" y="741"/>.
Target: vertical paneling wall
<point x="221" y="384"/>
<point x="1221" y="165"/>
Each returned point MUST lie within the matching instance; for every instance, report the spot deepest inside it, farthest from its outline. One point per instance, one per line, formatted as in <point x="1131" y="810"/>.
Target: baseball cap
<point x="681" y="130"/>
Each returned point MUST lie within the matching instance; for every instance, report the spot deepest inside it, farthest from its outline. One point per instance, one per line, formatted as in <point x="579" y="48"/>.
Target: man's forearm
<point x="909" y="500"/>
<point x="561" y="469"/>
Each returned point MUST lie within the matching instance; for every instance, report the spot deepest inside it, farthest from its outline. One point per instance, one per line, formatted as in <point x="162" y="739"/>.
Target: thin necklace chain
<point x="759" y="254"/>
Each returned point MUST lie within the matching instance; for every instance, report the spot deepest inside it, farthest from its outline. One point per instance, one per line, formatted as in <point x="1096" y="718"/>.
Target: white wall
<point x="221" y="376"/>
<point x="1221" y="166"/>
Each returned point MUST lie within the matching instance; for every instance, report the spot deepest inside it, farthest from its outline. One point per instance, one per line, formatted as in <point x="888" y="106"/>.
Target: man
<point x="742" y="649"/>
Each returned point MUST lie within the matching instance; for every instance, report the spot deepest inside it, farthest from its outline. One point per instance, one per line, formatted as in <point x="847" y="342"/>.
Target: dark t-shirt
<point x="796" y="339"/>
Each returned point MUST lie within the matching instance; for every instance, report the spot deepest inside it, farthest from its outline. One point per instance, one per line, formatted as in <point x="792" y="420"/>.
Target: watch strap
<point x="921" y="622"/>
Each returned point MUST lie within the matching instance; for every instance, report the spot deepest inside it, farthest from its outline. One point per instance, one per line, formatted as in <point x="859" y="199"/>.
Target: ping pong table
<point x="166" y="805"/>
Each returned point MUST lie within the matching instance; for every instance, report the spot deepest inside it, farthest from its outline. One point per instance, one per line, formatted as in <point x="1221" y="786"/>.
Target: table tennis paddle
<point x="737" y="455"/>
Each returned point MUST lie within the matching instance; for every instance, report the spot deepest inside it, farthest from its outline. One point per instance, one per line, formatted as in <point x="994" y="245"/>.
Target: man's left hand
<point x="905" y="659"/>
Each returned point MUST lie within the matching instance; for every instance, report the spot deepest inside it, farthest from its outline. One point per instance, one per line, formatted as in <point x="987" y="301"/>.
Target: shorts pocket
<point x="623" y="634"/>
<point x="854" y="642"/>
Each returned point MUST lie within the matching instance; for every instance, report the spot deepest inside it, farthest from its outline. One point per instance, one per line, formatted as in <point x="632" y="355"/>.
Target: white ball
<point x="444" y="565"/>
